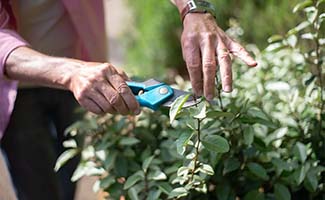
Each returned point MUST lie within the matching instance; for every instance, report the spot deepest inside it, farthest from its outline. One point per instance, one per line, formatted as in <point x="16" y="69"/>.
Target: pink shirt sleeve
<point x="9" y="40"/>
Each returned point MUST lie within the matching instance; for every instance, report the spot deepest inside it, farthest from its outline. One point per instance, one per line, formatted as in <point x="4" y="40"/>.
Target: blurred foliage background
<point x="154" y="44"/>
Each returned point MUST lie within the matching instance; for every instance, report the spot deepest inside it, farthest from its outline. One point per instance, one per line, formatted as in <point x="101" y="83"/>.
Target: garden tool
<point x="153" y="94"/>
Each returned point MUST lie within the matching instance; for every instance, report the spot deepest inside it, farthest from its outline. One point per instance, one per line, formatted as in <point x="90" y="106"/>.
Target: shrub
<point x="265" y="140"/>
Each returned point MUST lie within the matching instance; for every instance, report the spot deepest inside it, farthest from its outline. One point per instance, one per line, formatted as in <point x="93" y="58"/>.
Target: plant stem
<point x="197" y="148"/>
<point x="320" y="70"/>
<point x="219" y="93"/>
<point x="146" y="186"/>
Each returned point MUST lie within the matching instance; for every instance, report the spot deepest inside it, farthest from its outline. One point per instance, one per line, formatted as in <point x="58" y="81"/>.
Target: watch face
<point x="191" y="4"/>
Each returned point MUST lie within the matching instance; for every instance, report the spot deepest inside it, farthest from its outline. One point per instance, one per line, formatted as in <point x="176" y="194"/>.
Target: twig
<point x="196" y="148"/>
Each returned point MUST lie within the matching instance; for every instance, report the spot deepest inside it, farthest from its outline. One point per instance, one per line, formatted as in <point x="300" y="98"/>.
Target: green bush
<point x="265" y="140"/>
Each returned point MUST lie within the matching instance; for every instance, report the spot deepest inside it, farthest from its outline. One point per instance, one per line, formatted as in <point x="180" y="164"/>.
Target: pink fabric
<point x="9" y="40"/>
<point x="88" y="19"/>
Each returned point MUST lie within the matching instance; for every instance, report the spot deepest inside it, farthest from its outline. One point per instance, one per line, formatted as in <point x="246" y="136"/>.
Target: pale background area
<point x="118" y="21"/>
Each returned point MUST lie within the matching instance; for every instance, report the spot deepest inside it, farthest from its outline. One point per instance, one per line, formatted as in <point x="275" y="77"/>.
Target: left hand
<point x="205" y="46"/>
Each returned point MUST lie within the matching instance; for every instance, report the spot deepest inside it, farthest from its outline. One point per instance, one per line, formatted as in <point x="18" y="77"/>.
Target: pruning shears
<point x="153" y="94"/>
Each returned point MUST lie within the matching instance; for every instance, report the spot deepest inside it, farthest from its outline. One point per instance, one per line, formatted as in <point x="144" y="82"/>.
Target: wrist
<point x="196" y="6"/>
<point x="69" y="68"/>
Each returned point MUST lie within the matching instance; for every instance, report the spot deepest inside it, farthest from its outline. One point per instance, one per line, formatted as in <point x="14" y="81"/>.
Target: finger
<point x="192" y="57"/>
<point x="105" y="90"/>
<point x="98" y="97"/>
<point x="123" y="74"/>
<point x="239" y="51"/>
<point x="91" y="106"/>
<point x="209" y="66"/>
<point x="124" y="99"/>
<point x="225" y="66"/>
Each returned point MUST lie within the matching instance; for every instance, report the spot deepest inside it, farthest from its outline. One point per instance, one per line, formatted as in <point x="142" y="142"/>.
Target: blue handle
<point x="153" y="95"/>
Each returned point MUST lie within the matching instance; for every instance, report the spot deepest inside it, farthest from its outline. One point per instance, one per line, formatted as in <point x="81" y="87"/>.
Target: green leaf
<point x="275" y="38"/>
<point x="133" y="194"/>
<point x="292" y="40"/>
<point x="281" y="192"/>
<point x="300" y="151"/>
<point x="178" y="192"/>
<point x="201" y="111"/>
<point x="165" y="187"/>
<point x="133" y="179"/>
<point x="182" y="141"/>
<point x="154" y="195"/>
<point x="146" y="163"/>
<point x="258" y="171"/>
<point x="129" y="141"/>
<point x="312" y="178"/>
<point x="302" y="5"/>
<point x="70" y="143"/>
<point x="107" y="181"/>
<point x="121" y="166"/>
<point x="274" y="47"/>
<point x="177" y="106"/>
<point x="206" y="169"/>
<point x="280" y="165"/>
<point x="311" y="13"/>
<point x="64" y="157"/>
<point x="224" y="192"/>
<point x="311" y="181"/>
<point x="300" y="174"/>
<point x="248" y="135"/>
<point x="79" y="172"/>
<point x="217" y="114"/>
<point x="157" y="176"/>
<point x="254" y="194"/>
<point x="110" y="160"/>
<point x="215" y="143"/>
<point x="299" y="28"/>
<point x="231" y="164"/>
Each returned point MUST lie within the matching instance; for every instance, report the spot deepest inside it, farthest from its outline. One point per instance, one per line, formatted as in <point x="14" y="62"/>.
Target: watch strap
<point x="197" y="6"/>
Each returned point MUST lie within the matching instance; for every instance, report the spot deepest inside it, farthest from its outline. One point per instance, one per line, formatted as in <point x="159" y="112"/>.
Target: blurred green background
<point x="154" y="46"/>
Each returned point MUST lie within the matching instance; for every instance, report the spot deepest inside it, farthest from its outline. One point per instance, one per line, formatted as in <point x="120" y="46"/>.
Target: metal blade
<point x="191" y="101"/>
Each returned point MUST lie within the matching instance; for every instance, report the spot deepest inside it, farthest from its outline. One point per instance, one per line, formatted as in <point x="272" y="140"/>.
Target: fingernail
<point x="227" y="88"/>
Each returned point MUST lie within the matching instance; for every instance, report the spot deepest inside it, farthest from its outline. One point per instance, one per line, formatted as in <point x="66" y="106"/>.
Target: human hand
<point x="101" y="88"/>
<point x="204" y="47"/>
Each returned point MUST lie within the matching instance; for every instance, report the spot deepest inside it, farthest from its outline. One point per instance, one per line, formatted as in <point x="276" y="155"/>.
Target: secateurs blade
<point x="153" y="94"/>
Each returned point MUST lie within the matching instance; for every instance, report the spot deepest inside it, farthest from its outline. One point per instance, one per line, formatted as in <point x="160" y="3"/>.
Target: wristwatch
<point x="198" y="6"/>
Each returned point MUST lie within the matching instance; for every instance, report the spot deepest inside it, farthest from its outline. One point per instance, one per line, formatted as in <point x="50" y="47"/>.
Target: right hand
<point x="101" y="88"/>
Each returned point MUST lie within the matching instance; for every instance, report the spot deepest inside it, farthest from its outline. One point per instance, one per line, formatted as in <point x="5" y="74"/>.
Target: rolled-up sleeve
<point x="9" y="40"/>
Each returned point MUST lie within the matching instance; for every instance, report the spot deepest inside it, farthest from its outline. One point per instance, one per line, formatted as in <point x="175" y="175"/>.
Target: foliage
<point x="265" y="140"/>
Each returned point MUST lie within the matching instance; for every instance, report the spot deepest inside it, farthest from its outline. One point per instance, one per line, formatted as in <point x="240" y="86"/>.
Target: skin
<point x="101" y="87"/>
<point x="98" y="87"/>
<point x="205" y="46"/>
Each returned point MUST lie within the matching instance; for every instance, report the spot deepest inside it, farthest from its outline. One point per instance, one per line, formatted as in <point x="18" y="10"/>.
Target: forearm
<point x="25" y="64"/>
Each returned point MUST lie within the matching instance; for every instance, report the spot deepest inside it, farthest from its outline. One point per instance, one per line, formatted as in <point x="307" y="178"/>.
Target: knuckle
<point x="223" y="56"/>
<point x="92" y="78"/>
<point x="209" y="36"/>
<point x="123" y="89"/>
<point x="82" y="93"/>
<point x="188" y="39"/>
<point x="115" y="98"/>
<point x="209" y="63"/>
